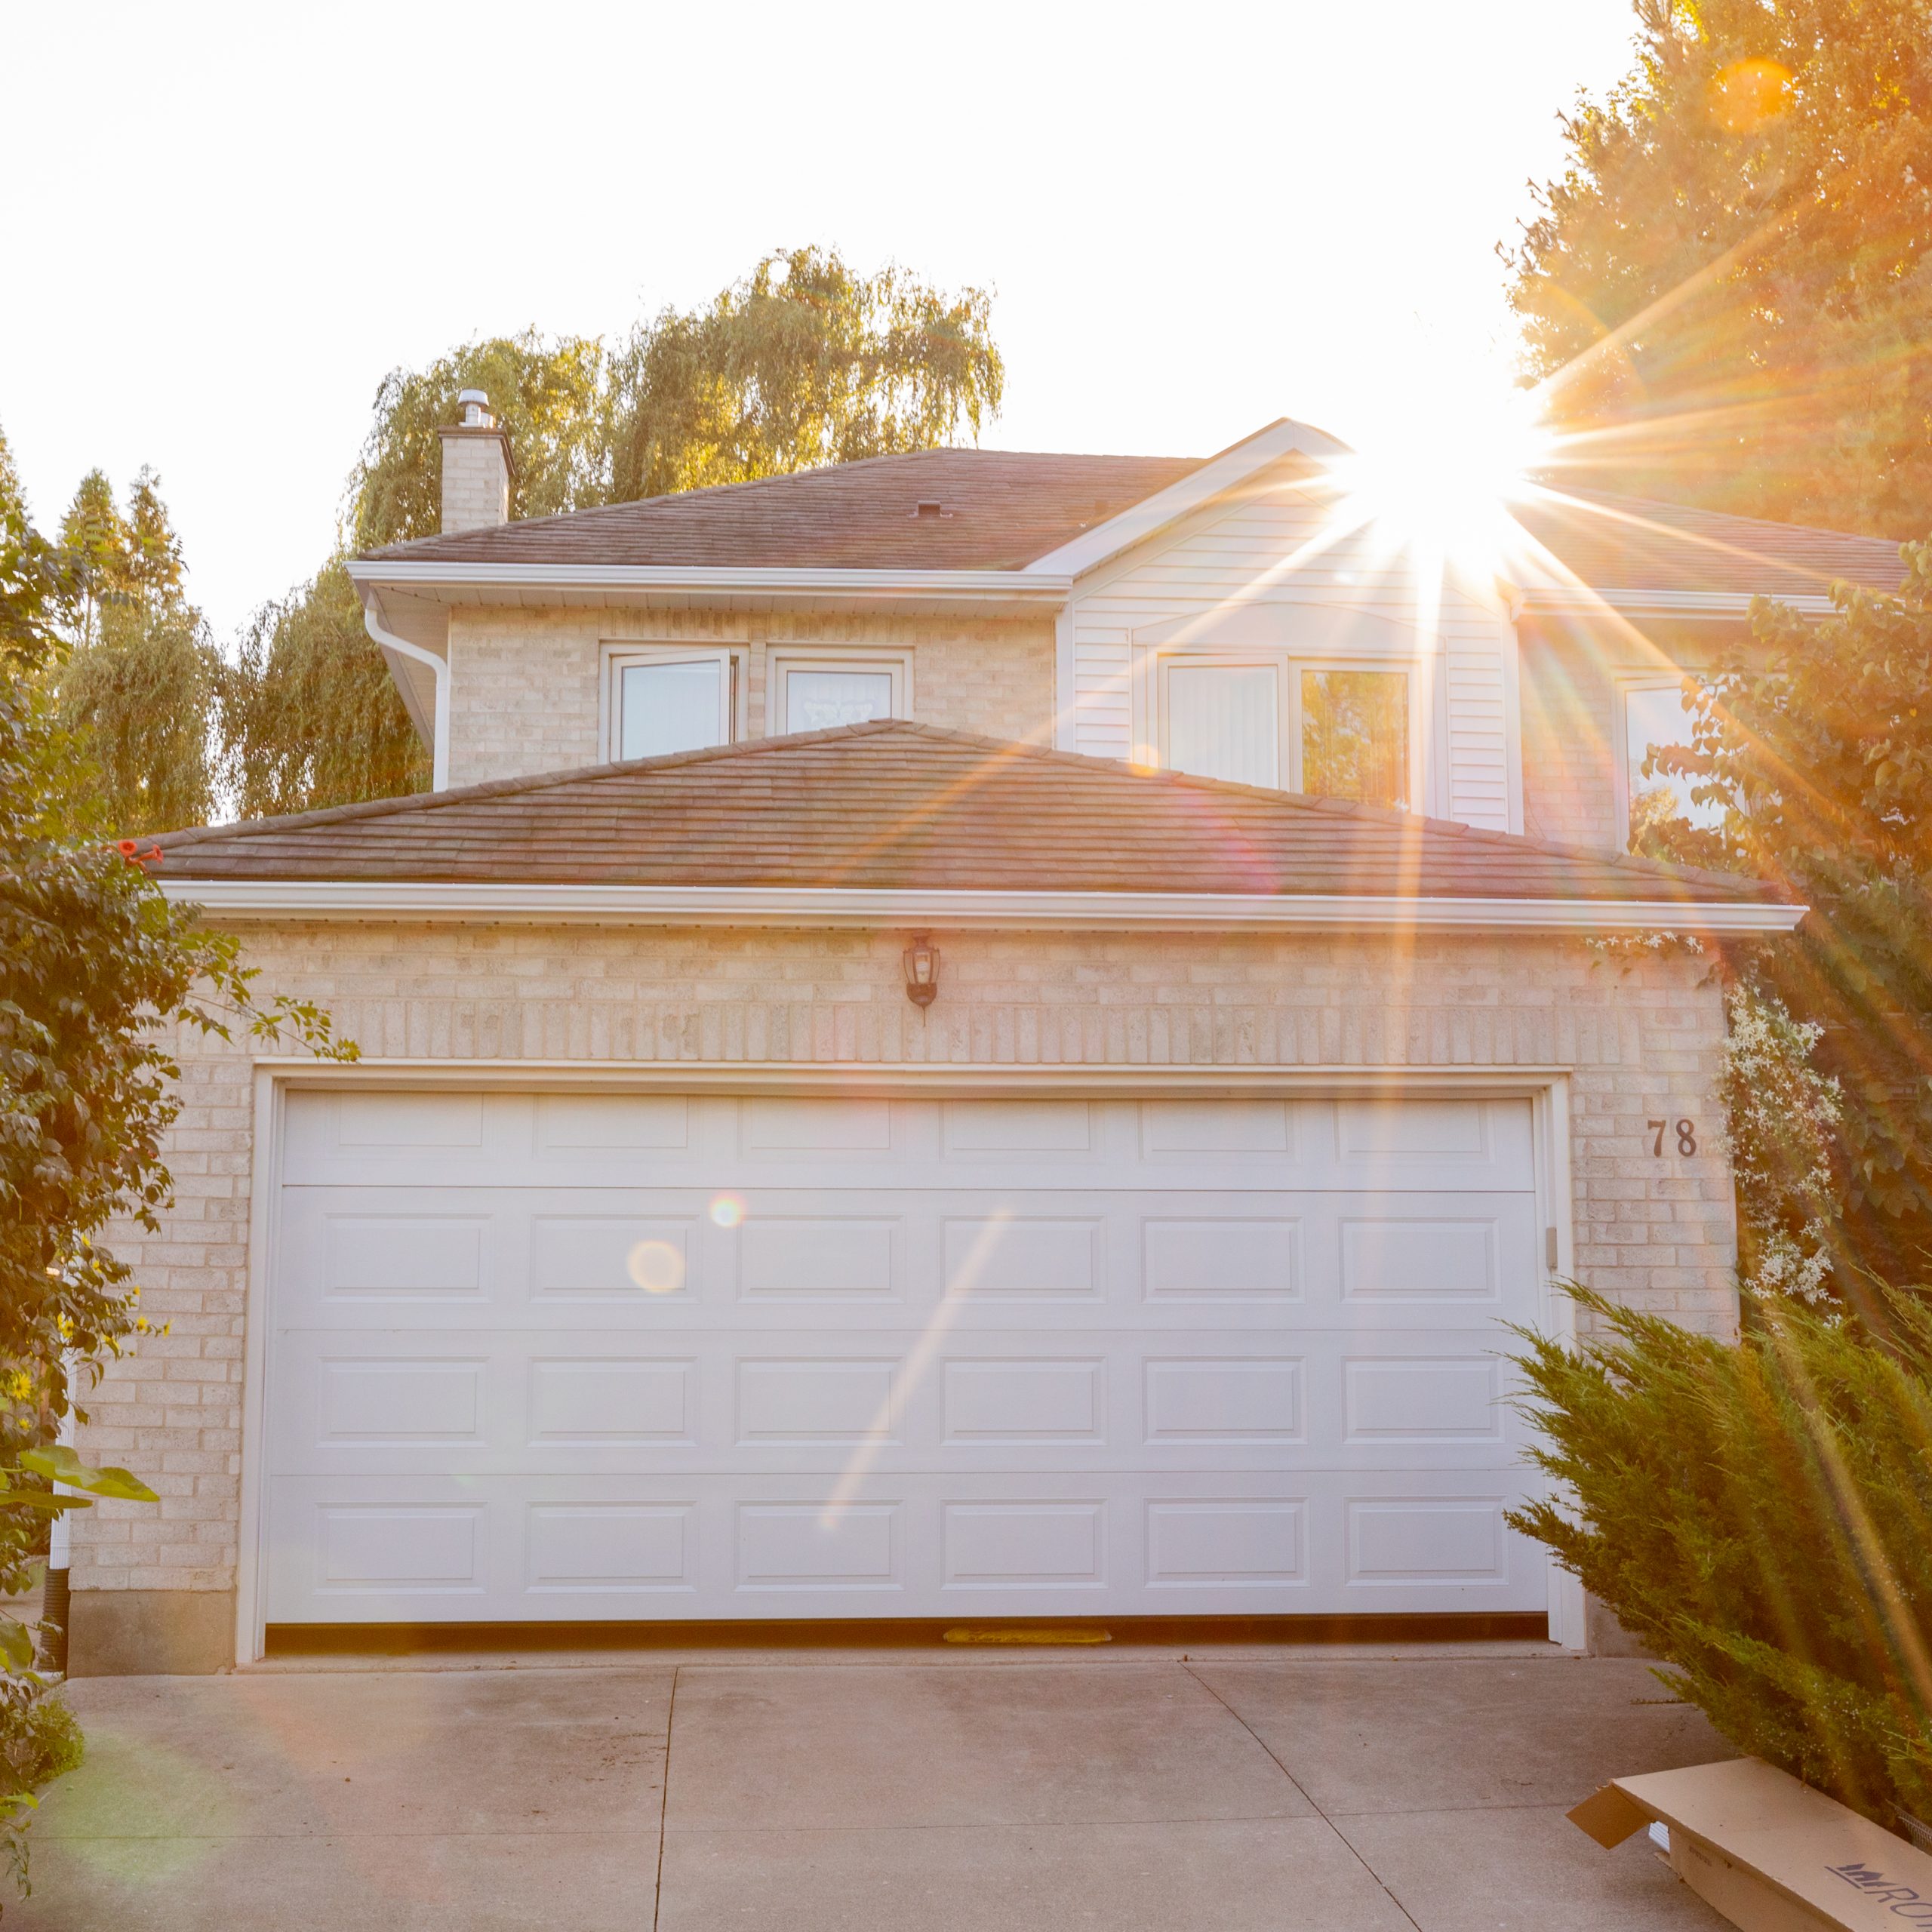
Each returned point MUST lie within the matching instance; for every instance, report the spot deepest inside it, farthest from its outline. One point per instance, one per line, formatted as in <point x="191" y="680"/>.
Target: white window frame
<point x="1287" y="665"/>
<point x="781" y="660"/>
<point x="620" y="656"/>
<point x="1166" y="662"/>
<point x="1628" y="685"/>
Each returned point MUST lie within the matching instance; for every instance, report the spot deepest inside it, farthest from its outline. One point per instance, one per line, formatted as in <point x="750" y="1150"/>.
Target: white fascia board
<point x="409" y="900"/>
<point x="1578" y="601"/>
<point x="425" y="579"/>
<point x="1092" y="548"/>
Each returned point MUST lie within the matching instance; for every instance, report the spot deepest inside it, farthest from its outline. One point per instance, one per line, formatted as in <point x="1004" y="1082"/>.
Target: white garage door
<point x="561" y="1356"/>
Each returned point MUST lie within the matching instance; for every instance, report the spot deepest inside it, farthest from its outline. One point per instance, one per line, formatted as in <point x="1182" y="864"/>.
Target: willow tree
<point x="804" y="360"/>
<point x="1729" y="292"/>
<point x="309" y="715"/>
<point x="138" y="674"/>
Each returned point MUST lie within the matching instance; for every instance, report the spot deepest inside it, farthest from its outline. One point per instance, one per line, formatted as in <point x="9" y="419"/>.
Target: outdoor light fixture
<point x="922" y="973"/>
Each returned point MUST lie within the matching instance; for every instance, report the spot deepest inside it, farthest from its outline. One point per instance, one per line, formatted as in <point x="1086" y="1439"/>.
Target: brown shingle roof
<point x="1002" y="509"/>
<point x="998" y="509"/>
<point x="901" y="806"/>
<point x="1614" y="543"/>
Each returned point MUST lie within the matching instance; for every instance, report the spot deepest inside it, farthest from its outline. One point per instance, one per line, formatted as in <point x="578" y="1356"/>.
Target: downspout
<point x="439" y="742"/>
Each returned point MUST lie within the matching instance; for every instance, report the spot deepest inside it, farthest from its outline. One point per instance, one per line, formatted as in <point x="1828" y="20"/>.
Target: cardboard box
<point x="1771" y="1853"/>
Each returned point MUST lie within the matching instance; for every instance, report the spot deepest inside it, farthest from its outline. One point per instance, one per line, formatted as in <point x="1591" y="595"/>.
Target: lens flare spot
<point x="728" y="1210"/>
<point x="656" y="1267"/>
<point x="1750" y="94"/>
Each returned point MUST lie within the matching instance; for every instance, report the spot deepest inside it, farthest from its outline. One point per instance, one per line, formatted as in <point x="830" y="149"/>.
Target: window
<point x="1354" y="736"/>
<point x="664" y="700"/>
<point x="816" y="694"/>
<point x="1347" y="731"/>
<point x="1223" y="722"/>
<point x="1657" y="715"/>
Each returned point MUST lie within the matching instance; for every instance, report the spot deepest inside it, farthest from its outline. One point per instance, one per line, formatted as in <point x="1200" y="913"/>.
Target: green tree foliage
<point x="98" y="971"/>
<point x="309" y="716"/>
<point x="35" y="578"/>
<point x="1782" y="1116"/>
<point x="1730" y="287"/>
<point x="1760" y="1517"/>
<point x="549" y="395"/>
<point x="1817" y="741"/>
<point x="804" y="361"/>
<point x="138" y="679"/>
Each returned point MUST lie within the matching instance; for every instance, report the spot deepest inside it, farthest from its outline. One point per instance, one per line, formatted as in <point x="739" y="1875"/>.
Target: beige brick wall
<point x="524" y="694"/>
<point x="1642" y="1041"/>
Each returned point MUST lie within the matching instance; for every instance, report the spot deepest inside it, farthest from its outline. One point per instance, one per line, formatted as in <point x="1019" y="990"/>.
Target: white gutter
<point x="439" y="742"/>
<point x="1578" y="600"/>
<point x="410" y="900"/>
<point x="1023" y="587"/>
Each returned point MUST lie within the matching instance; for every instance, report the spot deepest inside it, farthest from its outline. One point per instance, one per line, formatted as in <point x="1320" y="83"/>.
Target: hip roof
<point x="898" y="806"/>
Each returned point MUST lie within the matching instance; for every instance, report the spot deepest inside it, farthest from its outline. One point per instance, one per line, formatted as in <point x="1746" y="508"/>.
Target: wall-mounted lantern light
<point x="922" y="973"/>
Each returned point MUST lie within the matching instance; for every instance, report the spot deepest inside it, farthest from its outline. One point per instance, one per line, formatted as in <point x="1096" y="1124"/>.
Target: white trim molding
<point x="1030" y="588"/>
<point x="1134" y="525"/>
<point x="408" y="901"/>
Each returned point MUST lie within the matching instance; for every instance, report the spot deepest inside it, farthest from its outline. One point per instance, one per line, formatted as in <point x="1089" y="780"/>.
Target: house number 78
<point x="1687" y="1135"/>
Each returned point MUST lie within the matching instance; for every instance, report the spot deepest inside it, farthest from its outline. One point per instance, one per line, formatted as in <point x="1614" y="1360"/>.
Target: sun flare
<point x="1438" y="481"/>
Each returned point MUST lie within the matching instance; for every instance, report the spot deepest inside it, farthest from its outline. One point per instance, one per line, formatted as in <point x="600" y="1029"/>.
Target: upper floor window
<point x="1657" y="715"/>
<point x="1347" y="732"/>
<point x="1354" y="736"/>
<point x="1223" y="721"/>
<point x="663" y="699"/>
<point x="814" y="693"/>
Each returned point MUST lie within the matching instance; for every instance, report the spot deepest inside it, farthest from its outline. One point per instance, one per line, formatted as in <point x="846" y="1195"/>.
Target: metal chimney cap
<point x="475" y="404"/>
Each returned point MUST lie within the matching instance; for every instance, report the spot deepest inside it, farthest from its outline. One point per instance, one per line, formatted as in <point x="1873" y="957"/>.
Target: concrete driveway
<point x="876" y="1791"/>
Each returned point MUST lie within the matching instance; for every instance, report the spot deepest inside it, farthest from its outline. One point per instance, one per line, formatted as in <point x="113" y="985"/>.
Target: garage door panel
<point x="511" y="1139"/>
<point x="597" y="1355"/>
<point x="490" y="1402"/>
<point x="793" y="1545"/>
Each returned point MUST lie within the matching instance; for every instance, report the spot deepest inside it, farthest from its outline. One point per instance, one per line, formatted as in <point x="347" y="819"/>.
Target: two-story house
<point x="967" y="1035"/>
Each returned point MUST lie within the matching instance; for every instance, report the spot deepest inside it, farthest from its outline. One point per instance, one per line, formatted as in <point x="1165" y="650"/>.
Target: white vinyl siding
<point x="1463" y="648"/>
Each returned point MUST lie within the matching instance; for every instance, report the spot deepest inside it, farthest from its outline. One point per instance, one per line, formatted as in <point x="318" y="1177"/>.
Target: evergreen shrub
<point x="1760" y="1517"/>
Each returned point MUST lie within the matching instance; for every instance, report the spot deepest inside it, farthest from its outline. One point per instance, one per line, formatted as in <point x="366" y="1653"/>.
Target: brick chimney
<point x="476" y="467"/>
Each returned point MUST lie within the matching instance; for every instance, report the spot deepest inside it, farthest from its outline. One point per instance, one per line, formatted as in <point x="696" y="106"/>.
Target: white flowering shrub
<point x="1782" y="1118"/>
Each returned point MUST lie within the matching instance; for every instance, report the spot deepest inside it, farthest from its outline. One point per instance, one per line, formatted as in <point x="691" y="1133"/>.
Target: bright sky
<point x="230" y="222"/>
